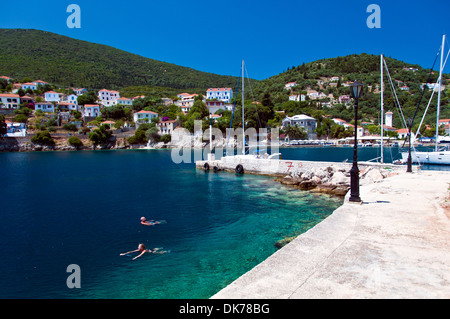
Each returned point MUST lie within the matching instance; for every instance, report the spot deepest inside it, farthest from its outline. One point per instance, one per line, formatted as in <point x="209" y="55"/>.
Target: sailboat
<point x="437" y="156"/>
<point x="245" y="147"/>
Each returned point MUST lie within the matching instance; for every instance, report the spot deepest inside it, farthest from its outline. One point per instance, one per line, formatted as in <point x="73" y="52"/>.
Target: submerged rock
<point x="284" y="241"/>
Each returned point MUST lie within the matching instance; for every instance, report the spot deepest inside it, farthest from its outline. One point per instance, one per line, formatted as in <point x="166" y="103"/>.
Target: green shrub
<point x="70" y="127"/>
<point x="75" y="142"/>
<point x="43" y="138"/>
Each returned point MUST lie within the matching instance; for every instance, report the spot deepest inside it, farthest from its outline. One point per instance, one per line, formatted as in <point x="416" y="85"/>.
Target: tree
<point x="3" y="127"/>
<point x="87" y="98"/>
<point x="152" y="134"/>
<point x="295" y="132"/>
<point x="75" y="142"/>
<point x="100" y="136"/>
<point x="43" y="138"/>
<point x="21" y="118"/>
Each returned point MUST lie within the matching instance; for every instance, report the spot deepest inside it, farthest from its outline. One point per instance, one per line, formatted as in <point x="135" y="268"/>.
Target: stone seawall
<point x="324" y="177"/>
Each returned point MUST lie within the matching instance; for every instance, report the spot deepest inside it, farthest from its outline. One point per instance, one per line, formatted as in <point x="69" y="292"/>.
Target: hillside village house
<point x="220" y="94"/>
<point x="297" y="97"/>
<point x="290" y="85"/>
<point x="108" y="97"/>
<point x="124" y="101"/>
<point x="26" y="86"/>
<point x="91" y="110"/>
<point x="72" y="98"/>
<point x="186" y="101"/>
<point x="45" y="107"/>
<point x="26" y="99"/>
<point x="307" y="122"/>
<point x="67" y="106"/>
<point x="166" y="127"/>
<point x="9" y="101"/>
<point x="51" y="96"/>
<point x="15" y="129"/>
<point x="214" y="106"/>
<point x="79" y="91"/>
<point x="7" y="78"/>
<point x="144" y="117"/>
<point x="403" y="134"/>
<point x="344" y="99"/>
<point x="346" y="125"/>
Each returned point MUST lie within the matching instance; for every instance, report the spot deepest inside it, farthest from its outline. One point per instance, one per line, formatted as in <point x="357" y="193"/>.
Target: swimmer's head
<point x="143" y="219"/>
<point x="141" y="247"/>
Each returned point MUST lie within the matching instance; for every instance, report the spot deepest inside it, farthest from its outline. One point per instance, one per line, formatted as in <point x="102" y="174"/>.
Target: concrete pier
<point x="282" y="167"/>
<point x="394" y="245"/>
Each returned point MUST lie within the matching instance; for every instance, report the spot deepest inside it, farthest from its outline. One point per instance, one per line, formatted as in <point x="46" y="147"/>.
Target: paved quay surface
<point x="394" y="245"/>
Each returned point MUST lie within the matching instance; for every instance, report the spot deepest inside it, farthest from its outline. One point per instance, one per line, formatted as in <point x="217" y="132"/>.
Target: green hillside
<point x="69" y="62"/>
<point x="365" y="68"/>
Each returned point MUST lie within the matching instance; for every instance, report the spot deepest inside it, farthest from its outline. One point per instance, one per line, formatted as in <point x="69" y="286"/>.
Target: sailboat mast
<point x="243" y="122"/>
<point x="382" y="107"/>
<point x="439" y="94"/>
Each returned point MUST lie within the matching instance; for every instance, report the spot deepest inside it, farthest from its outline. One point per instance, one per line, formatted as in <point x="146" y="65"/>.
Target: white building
<point x="290" y="85"/>
<point x="72" y="98"/>
<point x="220" y="94"/>
<point x="15" y="129"/>
<point x="67" y="106"/>
<point x="124" y="101"/>
<point x="305" y="121"/>
<point x="51" y="96"/>
<point x="44" y="107"/>
<point x="79" y="91"/>
<point x="297" y="97"/>
<point x="186" y="101"/>
<point x="91" y="110"/>
<point x="108" y="97"/>
<point x="9" y="101"/>
<point x="144" y="116"/>
<point x="26" y="86"/>
<point x="166" y="127"/>
<point x="388" y="118"/>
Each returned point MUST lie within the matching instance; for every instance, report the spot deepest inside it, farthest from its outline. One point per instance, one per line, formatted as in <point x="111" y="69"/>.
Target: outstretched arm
<point x="140" y="255"/>
<point x="129" y="252"/>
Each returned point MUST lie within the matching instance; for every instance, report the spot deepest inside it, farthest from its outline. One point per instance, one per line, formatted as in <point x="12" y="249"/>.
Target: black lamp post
<point x="355" y="90"/>
<point x="409" y="164"/>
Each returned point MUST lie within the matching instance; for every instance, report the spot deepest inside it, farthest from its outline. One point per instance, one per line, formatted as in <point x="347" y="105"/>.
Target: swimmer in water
<point x="146" y="222"/>
<point x="142" y="250"/>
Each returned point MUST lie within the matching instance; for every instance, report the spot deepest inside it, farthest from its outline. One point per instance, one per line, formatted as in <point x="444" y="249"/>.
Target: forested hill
<point x="317" y="76"/>
<point x="69" y="62"/>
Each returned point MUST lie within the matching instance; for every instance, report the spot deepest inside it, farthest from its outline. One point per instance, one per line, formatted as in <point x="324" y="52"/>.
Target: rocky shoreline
<point x="333" y="180"/>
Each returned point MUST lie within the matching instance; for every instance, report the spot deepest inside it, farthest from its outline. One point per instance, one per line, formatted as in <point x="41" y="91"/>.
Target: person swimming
<point x="142" y="249"/>
<point x="146" y="222"/>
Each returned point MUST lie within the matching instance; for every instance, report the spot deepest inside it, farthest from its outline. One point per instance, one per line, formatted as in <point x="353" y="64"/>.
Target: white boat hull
<point x="442" y="157"/>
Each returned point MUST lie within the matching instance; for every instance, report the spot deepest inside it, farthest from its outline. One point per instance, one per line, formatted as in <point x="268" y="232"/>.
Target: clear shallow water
<point x="62" y="208"/>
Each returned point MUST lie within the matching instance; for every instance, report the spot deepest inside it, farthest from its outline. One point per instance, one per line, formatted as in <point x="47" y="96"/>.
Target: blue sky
<point x="269" y="35"/>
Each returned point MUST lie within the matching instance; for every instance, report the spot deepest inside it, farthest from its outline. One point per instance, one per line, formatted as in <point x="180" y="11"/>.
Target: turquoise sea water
<point x="62" y="208"/>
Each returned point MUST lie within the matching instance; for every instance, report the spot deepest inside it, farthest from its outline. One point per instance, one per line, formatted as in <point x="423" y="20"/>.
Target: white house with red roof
<point x="220" y="94"/>
<point x="40" y="82"/>
<point x="91" y="110"/>
<point x="125" y="101"/>
<point x="52" y="96"/>
<point x="290" y="85"/>
<point x="44" y="107"/>
<point x="166" y="127"/>
<point x="7" y="78"/>
<point x="144" y="116"/>
<point x="108" y="97"/>
<point x="79" y="91"/>
<point x="29" y="85"/>
<point x="14" y="129"/>
<point x="9" y="101"/>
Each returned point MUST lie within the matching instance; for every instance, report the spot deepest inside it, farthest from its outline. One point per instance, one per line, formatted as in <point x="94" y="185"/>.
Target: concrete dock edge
<point x="394" y="245"/>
